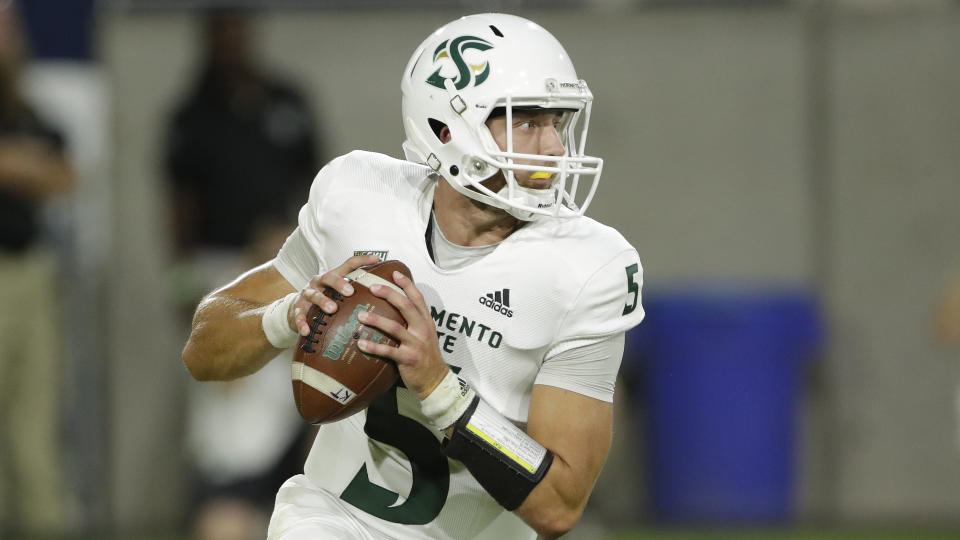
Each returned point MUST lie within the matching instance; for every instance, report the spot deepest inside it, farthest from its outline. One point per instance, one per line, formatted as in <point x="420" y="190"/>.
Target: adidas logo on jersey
<point x="498" y="301"/>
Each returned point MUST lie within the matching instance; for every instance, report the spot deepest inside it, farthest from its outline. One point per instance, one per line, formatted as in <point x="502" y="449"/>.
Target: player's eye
<point x="561" y="121"/>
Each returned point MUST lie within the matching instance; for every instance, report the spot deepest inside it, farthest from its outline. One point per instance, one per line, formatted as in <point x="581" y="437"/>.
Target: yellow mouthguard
<point x="540" y="174"/>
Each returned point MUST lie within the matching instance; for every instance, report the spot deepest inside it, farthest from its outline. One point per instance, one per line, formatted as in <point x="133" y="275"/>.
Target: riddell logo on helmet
<point x="453" y="50"/>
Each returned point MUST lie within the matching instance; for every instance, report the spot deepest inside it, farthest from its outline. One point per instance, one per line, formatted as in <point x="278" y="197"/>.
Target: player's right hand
<point x="312" y="294"/>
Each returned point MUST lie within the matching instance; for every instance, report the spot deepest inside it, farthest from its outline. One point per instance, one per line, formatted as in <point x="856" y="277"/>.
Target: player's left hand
<point x="418" y="356"/>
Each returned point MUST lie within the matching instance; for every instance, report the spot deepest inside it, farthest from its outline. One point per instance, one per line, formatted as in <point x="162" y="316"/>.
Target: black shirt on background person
<point x="241" y="146"/>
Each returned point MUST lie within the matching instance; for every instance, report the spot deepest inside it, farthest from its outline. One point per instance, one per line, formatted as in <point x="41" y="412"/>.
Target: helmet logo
<point x="453" y="49"/>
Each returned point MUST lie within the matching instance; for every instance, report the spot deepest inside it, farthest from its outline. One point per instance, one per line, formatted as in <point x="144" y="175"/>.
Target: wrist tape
<point x="507" y="462"/>
<point x="275" y="325"/>
<point x="448" y="401"/>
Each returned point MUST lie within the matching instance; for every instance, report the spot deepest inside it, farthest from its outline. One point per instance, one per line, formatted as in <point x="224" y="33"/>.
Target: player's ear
<point x="441" y="130"/>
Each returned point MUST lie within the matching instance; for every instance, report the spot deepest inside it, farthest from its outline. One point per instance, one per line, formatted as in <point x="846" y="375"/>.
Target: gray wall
<point x="731" y="157"/>
<point x="895" y="194"/>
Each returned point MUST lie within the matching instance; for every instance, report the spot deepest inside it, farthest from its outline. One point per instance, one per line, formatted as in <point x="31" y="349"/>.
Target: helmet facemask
<point x="566" y="170"/>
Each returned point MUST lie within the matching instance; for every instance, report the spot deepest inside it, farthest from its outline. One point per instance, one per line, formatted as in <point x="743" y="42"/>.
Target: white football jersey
<point x="552" y="285"/>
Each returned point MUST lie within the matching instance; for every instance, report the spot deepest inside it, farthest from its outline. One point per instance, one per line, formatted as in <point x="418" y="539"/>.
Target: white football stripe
<point x="367" y="279"/>
<point x="322" y="382"/>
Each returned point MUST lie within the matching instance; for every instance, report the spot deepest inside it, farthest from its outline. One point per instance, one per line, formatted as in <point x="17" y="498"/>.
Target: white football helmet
<point x="479" y="63"/>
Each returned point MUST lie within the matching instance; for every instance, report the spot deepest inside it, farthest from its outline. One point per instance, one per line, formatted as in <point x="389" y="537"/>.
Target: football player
<point x="515" y="324"/>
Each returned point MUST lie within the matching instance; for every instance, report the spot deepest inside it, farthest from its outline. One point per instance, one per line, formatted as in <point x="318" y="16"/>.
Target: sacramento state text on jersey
<point x="463" y="326"/>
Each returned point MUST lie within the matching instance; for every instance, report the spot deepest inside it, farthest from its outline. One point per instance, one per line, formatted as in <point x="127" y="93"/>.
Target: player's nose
<point x="551" y="144"/>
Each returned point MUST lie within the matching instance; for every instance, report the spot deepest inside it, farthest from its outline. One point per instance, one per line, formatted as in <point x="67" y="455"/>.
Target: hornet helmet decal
<point x="453" y="50"/>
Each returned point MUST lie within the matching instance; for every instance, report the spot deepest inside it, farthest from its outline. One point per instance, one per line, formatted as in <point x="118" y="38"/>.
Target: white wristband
<point x="275" y="325"/>
<point x="448" y="401"/>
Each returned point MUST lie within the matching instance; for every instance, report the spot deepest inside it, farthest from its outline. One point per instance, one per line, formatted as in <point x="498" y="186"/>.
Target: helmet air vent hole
<point x="496" y="31"/>
<point x="436" y="126"/>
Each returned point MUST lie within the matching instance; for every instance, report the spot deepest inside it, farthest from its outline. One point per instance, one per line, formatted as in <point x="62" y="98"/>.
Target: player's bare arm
<point x="227" y="339"/>
<point x="575" y="428"/>
<point x="578" y="430"/>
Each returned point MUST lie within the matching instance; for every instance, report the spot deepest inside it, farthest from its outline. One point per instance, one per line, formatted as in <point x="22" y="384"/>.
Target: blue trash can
<point x="721" y="374"/>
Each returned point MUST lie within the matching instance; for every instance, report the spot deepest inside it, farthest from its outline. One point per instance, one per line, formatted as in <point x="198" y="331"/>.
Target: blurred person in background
<point x="33" y="169"/>
<point x="947" y="329"/>
<point x="947" y="317"/>
<point x="241" y="152"/>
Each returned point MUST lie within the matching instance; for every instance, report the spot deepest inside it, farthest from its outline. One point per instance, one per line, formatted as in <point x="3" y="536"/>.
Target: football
<point x="332" y="377"/>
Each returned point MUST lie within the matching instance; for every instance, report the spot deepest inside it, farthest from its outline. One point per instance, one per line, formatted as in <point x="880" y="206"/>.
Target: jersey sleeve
<point x="296" y="261"/>
<point x="589" y="369"/>
<point x="608" y="302"/>
<point x="607" y="305"/>
<point x="301" y="256"/>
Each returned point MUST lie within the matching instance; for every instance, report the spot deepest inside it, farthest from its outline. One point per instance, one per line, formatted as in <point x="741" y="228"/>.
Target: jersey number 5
<point x="431" y="473"/>
<point x="632" y="289"/>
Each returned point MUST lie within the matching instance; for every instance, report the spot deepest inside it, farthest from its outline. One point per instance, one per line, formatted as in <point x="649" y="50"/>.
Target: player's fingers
<point x="412" y="292"/>
<point x="377" y="349"/>
<point x="403" y="356"/>
<point x="318" y="298"/>
<point x="308" y="298"/>
<point x="336" y="279"/>
<point x="404" y="304"/>
<point x="300" y="308"/>
<point x="384" y="324"/>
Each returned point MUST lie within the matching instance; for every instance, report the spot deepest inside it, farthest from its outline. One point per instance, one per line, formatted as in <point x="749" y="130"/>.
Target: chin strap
<point x="535" y="198"/>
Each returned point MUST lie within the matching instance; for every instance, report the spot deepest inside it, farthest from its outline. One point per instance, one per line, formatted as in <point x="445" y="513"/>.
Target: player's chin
<point x="535" y="183"/>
